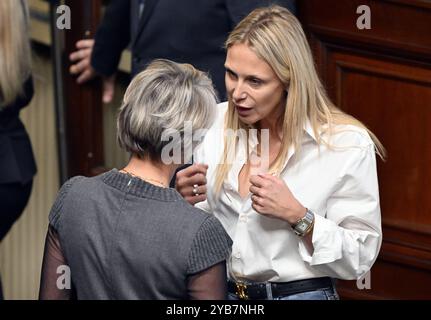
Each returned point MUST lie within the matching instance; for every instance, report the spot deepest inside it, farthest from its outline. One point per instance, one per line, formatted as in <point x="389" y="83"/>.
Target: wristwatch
<point x="304" y="225"/>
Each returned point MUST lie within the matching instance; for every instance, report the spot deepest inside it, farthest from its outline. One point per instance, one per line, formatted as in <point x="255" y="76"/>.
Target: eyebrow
<point x="248" y="76"/>
<point x="229" y="69"/>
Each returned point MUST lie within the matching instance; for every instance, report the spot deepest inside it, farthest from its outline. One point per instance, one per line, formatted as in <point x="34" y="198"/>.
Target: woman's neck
<point x="156" y="173"/>
<point x="273" y="123"/>
<point x="274" y="128"/>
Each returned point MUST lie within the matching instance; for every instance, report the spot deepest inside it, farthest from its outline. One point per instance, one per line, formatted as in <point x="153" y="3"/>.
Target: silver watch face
<point x="302" y="226"/>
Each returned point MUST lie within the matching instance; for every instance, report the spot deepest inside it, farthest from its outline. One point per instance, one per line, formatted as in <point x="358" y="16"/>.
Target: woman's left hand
<point x="271" y="197"/>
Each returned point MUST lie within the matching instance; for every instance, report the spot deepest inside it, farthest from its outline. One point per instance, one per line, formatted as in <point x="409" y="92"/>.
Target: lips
<point x="242" y="111"/>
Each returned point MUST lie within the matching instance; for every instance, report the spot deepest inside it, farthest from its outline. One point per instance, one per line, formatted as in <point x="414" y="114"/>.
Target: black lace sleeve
<point x="55" y="278"/>
<point x="210" y="284"/>
<point x="207" y="262"/>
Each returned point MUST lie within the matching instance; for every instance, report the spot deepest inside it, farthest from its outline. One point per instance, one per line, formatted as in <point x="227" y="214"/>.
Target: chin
<point x="248" y="120"/>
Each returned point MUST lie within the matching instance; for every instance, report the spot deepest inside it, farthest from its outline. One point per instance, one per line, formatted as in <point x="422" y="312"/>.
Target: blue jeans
<point x="321" y="294"/>
<point x="324" y="294"/>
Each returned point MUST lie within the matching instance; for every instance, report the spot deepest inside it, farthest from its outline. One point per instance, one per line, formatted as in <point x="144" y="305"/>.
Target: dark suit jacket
<point x="191" y="31"/>
<point x="17" y="164"/>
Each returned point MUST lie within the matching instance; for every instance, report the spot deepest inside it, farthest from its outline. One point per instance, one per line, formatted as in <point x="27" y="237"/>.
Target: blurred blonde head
<point x="276" y="36"/>
<point x="15" y="53"/>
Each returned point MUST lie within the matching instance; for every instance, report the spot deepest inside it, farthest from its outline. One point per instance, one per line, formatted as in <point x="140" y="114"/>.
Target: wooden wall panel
<point x="391" y="280"/>
<point x="382" y="76"/>
<point x="401" y="25"/>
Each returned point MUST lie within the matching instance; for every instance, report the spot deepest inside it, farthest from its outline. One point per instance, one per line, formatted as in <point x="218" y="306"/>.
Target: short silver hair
<point x="160" y="100"/>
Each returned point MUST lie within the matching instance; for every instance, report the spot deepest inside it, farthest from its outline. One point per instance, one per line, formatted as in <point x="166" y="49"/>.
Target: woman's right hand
<point x="191" y="183"/>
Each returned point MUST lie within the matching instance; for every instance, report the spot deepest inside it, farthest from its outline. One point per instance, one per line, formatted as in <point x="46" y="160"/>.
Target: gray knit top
<point x="124" y="238"/>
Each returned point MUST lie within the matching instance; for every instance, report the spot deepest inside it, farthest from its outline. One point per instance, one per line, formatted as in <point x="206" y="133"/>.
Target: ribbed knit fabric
<point x="208" y="246"/>
<point x="125" y="238"/>
<point x="139" y="187"/>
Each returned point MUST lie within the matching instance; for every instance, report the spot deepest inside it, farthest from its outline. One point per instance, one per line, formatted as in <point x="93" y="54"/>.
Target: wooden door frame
<point x="83" y="103"/>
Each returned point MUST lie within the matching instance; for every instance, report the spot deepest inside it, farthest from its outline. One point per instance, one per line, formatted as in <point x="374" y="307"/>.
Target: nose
<point x="238" y="92"/>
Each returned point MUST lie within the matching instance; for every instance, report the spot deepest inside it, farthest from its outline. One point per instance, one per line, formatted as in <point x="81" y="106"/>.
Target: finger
<point x="108" y="96"/>
<point x="256" y="191"/>
<point x="85" y="43"/>
<point x="85" y="76"/>
<point x="75" y="55"/>
<point x="192" y="170"/>
<point x="185" y="182"/>
<point x="199" y="179"/>
<point x="80" y="66"/>
<point x="257" y="200"/>
<point x="273" y="180"/>
<point x="80" y="55"/>
<point x="257" y="208"/>
<point x="267" y="176"/>
<point x="196" y="178"/>
<point x="257" y="181"/>
<point x="108" y="89"/>
<point x="196" y="199"/>
<point x="195" y="189"/>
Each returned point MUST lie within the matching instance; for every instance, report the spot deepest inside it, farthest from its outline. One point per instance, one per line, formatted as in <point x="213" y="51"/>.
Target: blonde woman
<point x="312" y="213"/>
<point x="125" y="234"/>
<point x="17" y="165"/>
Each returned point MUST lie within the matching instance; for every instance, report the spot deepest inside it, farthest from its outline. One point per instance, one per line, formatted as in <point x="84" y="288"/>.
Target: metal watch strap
<point x="308" y="219"/>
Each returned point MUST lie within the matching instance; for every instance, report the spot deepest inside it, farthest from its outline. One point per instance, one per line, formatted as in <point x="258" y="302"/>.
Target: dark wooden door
<point x="382" y="76"/>
<point x="83" y="112"/>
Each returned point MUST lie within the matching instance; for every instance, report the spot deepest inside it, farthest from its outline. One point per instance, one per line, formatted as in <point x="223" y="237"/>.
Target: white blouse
<point x="339" y="185"/>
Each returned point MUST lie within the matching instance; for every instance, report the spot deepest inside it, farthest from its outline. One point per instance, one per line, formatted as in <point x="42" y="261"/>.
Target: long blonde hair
<point x="15" y="51"/>
<point x="276" y="36"/>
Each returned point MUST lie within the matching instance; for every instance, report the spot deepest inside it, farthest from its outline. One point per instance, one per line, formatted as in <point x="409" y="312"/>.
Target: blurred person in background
<point x="186" y="31"/>
<point x="17" y="163"/>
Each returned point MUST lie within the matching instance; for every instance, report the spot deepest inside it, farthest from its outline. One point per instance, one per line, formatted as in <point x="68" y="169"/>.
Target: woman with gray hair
<point x="125" y="234"/>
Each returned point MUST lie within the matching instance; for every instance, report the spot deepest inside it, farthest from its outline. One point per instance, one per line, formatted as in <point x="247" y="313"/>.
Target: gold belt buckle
<point x="241" y="290"/>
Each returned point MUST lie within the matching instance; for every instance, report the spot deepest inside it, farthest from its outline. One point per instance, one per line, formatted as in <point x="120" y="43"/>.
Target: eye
<point x="230" y="73"/>
<point x="255" y="82"/>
